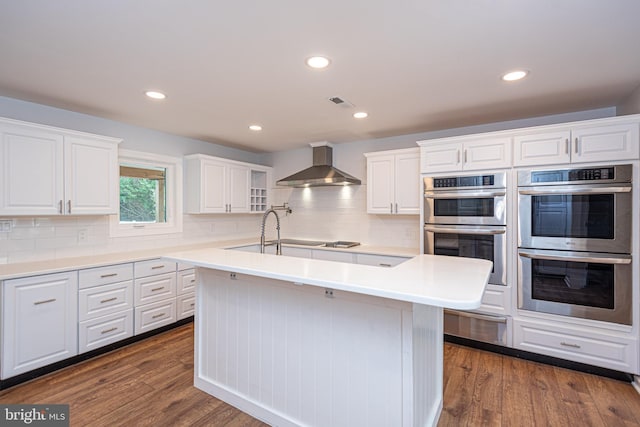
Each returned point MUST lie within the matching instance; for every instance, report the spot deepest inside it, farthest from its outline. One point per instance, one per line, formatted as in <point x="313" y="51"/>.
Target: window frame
<point x="173" y="187"/>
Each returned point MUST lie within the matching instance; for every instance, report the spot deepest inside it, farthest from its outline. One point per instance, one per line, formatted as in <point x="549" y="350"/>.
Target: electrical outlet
<point x="83" y="235"/>
<point x="5" y="226"/>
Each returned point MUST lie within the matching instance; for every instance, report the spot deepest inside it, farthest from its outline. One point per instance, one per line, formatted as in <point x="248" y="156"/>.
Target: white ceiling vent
<point x="341" y="102"/>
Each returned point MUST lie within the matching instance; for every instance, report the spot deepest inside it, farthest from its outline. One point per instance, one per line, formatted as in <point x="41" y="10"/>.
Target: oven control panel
<point x="569" y="175"/>
<point x="464" y="181"/>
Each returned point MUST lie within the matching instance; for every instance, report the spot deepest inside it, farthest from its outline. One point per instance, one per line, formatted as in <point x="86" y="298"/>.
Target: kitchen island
<point x="309" y="342"/>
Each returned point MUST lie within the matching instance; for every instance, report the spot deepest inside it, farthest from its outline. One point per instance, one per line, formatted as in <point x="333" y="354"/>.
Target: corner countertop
<point x="448" y="282"/>
<point x="34" y="268"/>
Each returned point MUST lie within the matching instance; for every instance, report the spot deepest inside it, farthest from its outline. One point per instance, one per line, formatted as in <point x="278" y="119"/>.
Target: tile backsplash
<point x="323" y="213"/>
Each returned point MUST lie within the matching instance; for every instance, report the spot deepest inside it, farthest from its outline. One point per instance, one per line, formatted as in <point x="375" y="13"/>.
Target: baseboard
<point x="548" y="360"/>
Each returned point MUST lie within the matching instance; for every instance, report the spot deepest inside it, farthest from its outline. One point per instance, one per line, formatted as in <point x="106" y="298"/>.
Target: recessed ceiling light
<point x="360" y="115"/>
<point x="318" y="62"/>
<point x="255" y="128"/>
<point x="155" y="94"/>
<point x="515" y="75"/>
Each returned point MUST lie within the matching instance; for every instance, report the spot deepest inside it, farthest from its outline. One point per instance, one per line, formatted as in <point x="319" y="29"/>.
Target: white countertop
<point x="449" y="282"/>
<point x="33" y="268"/>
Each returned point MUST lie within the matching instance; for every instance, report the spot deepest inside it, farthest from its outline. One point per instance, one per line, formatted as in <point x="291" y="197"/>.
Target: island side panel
<point x="290" y="355"/>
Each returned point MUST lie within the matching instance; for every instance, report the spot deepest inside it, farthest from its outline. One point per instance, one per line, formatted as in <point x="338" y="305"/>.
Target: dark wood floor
<point x="150" y="384"/>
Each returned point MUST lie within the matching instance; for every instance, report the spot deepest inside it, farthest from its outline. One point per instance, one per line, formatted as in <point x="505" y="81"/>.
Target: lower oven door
<point x="587" y="285"/>
<point x="470" y="241"/>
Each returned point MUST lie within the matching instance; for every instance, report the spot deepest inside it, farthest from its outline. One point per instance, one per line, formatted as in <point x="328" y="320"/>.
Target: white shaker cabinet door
<point x="31" y="171"/>
<point x="91" y="176"/>
<point x="407" y="183"/>
<point x="605" y="143"/>
<point x="380" y="184"/>
<point x="39" y="321"/>
<point x="238" y="191"/>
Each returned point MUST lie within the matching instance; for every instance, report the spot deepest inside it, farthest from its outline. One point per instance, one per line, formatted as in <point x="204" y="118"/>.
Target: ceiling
<point x="413" y="65"/>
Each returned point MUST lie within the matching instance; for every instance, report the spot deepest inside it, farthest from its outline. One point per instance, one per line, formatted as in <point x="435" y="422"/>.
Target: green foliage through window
<point x="142" y="195"/>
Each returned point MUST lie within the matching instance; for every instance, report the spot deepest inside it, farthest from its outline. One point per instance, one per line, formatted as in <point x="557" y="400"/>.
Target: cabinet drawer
<point x="186" y="305"/>
<point x="154" y="288"/>
<point x="104" y="330"/>
<point x="379" y="260"/>
<point x="183" y="266"/>
<point x="153" y="266"/>
<point x="186" y="281"/>
<point x="152" y="316"/>
<point x="105" y="275"/>
<point x="585" y="346"/>
<point x="496" y="300"/>
<point x="102" y="300"/>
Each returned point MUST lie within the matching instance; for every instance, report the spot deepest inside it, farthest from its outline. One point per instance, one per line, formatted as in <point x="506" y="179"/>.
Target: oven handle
<point x="577" y="190"/>
<point x="464" y="195"/>
<point x="572" y="256"/>
<point x="464" y="230"/>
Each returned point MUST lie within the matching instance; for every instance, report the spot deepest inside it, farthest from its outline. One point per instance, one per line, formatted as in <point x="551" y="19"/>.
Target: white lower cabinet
<point x="98" y="332"/>
<point x="39" y="321"/>
<point x="155" y="315"/>
<point x="154" y="288"/>
<point x="496" y="300"/>
<point x="606" y="349"/>
<point x="185" y="305"/>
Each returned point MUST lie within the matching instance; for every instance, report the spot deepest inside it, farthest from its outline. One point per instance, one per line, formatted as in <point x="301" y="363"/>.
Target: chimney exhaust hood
<point x="322" y="173"/>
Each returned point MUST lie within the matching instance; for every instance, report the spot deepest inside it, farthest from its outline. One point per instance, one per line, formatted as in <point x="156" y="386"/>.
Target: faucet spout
<point x="264" y="220"/>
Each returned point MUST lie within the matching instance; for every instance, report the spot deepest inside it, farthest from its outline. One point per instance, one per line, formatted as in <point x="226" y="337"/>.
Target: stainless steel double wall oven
<point x="574" y="239"/>
<point x="466" y="216"/>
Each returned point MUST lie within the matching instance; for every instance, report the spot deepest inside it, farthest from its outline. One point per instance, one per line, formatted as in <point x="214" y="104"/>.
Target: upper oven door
<point x="594" y="218"/>
<point x="484" y="242"/>
<point x="473" y="207"/>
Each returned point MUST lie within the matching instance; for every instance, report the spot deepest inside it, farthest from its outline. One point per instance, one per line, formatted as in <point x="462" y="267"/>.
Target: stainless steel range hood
<point x="321" y="173"/>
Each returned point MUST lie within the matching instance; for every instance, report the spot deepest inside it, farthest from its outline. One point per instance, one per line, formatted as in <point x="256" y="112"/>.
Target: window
<point x="150" y="195"/>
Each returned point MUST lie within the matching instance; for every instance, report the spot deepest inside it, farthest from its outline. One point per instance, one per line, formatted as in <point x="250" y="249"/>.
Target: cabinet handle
<point x="44" y="302"/>
<point x="465" y="155"/>
<point x="566" y="344"/>
<point x="458" y="154"/>
<point x="60" y="206"/>
<point x="155" y="267"/>
<point x="192" y="304"/>
<point x="396" y="208"/>
<point x="576" y="147"/>
<point x="104" y="276"/>
<point x="383" y="264"/>
<point x="108" y="300"/>
<point x="193" y="281"/>
<point x="157" y="289"/>
<point x="566" y="146"/>
<point x="69" y="205"/>
<point x="158" y="315"/>
<point x="106" y="331"/>
<point x="390" y="207"/>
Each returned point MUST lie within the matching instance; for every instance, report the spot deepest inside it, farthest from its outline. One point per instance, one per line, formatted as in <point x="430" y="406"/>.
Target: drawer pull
<point x="192" y="304"/>
<point x="108" y="300"/>
<point x="158" y="316"/>
<point x="155" y="267"/>
<point x="382" y="264"/>
<point x="193" y="281"/>
<point x="106" y="331"/>
<point x="44" y="302"/>
<point x="157" y="289"/>
<point x="104" y="276"/>
<point x="566" y="344"/>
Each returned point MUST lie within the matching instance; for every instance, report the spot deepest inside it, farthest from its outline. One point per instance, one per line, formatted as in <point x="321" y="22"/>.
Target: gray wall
<point x="631" y="105"/>
<point x="349" y="156"/>
<point x="134" y="137"/>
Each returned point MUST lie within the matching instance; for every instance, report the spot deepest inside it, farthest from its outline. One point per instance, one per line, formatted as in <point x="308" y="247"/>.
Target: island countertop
<point x="449" y="282"/>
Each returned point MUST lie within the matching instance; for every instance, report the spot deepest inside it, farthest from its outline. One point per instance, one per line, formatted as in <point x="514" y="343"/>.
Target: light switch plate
<point x="5" y="226"/>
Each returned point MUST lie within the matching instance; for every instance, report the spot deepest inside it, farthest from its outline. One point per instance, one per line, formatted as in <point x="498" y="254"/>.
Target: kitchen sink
<point x="341" y="244"/>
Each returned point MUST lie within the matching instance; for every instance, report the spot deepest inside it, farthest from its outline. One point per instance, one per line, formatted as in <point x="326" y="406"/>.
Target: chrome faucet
<point x="264" y="220"/>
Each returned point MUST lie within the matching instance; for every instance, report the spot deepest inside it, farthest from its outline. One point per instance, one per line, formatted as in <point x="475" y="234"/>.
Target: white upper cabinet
<point x="50" y="171"/>
<point x="393" y="182"/>
<point x="216" y="185"/>
<point x="596" y="141"/>
<point x="465" y="154"/>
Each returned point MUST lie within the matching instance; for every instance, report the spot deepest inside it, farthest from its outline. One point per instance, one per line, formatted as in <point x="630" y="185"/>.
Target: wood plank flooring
<point x="150" y="384"/>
